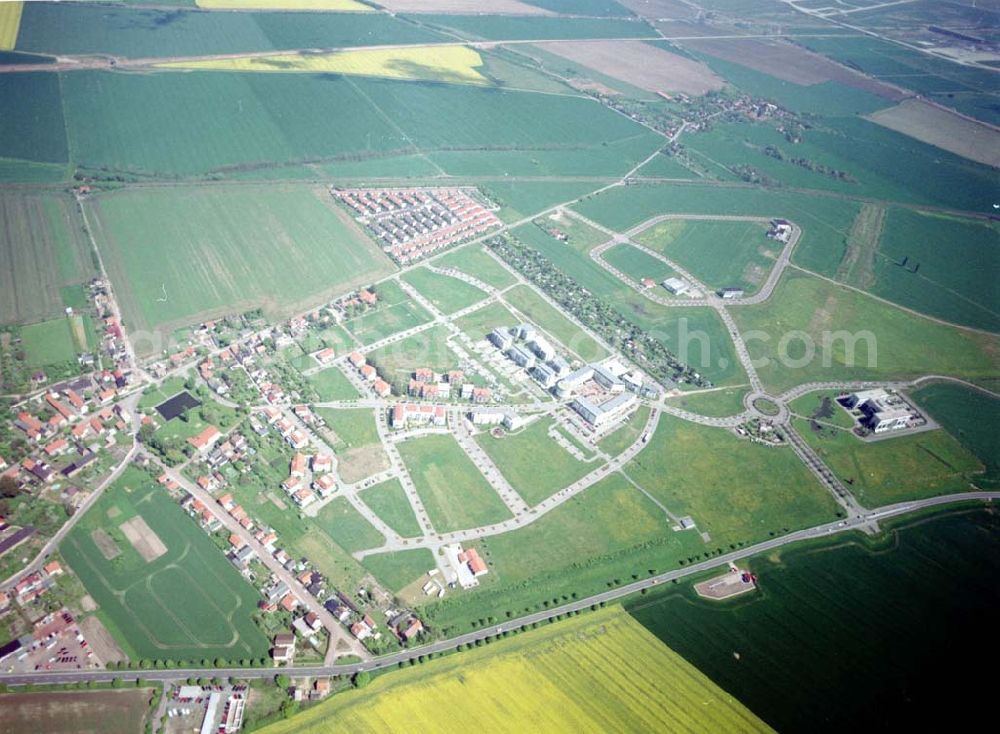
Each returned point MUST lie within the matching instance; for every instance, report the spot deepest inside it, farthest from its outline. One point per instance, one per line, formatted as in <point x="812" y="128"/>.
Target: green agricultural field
<point x="715" y="403"/>
<point x="446" y="293"/>
<point x="821" y="406"/>
<point x="520" y="199"/>
<point x="534" y="464"/>
<point x="247" y="121"/>
<point x="34" y="129"/>
<point x="638" y="265"/>
<point x="355" y="428"/>
<point x="736" y="491"/>
<point x="395" y="312"/>
<point x="346" y="526"/>
<point x="428" y="348"/>
<point x="331" y="384"/>
<point x="969" y="416"/>
<point x="137" y="599"/>
<point x="888" y="342"/>
<point x="599" y="672"/>
<point x="42" y="251"/>
<point x="455" y="494"/>
<point x="399" y="569"/>
<point x="475" y="261"/>
<point x="719" y="254"/>
<point x="894" y="469"/>
<point x="664" y="166"/>
<point x="621" y="438"/>
<point x="388" y="501"/>
<point x="828" y="639"/>
<point x="949" y="267"/>
<point x="550" y="320"/>
<point x="146" y="32"/>
<point x="178" y="255"/>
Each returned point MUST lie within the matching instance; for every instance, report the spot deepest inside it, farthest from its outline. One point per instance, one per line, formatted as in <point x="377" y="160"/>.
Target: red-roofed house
<point x="325" y="356"/>
<point x="381" y="388"/>
<point x="298" y="467"/>
<point x="368" y="372"/>
<point x="206" y="439"/>
<point x="56" y="447"/>
<point x="59" y="406"/>
<point x="322" y="463"/>
<point x="356" y="359"/>
<point x="415" y="628"/>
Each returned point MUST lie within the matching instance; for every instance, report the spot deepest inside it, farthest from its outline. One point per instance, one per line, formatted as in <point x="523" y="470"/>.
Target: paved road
<point x="820" y="531"/>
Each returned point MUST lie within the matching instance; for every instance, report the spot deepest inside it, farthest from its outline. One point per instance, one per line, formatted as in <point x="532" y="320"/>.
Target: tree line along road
<point x="819" y="531"/>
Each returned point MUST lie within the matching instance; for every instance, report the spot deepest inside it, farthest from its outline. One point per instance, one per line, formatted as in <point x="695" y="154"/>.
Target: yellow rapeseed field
<point x="351" y="5"/>
<point x="10" y="21"/>
<point x="432" y="63"/>
<point x="601" y="671"/>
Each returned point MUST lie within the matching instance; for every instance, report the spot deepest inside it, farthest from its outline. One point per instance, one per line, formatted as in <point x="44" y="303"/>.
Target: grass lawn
<point x="719" y="254"/>
<point x="534" y="464"/>
<point x="822" y="407"/>
<point x="137" y="598"/>
<point x="716" y="403"/>
<point x="394" y="313"/>
<point x="606" y="536"/>
<point x="331" y="384"/>
<point x="176" y="429"/>
<point x="602" y="671"/>
<point x="482" y="321"/>
<point x="735" y="490"/>
<point x="971" y="417"/>
<point x="639" y="265"/>
<point x="397" y="570"/>
<point x="889" y="342"/>
<point x="48" y="342"/>
<point x="427" y="348"/>
<point x="354" y="427"/>
<point x="550" y="320"/>
<point x="347" y="527"/>
<point x="448" y="294"/>
<point x="475" y="261"/>
<point x="166" y="390"/>
<point x="180" y="254"/>
<point x="388" y="501"/>
<point x="621" y="438"/>
<point x="894" y="469"/>
<point x="455" y="494"/>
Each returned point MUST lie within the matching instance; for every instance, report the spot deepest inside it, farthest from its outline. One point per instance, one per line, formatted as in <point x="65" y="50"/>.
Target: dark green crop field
<point x="886" y="632"/>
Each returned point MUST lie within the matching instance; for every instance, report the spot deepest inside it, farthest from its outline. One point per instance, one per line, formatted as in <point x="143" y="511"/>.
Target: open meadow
<point x="607" y="535"/>
<point x="598" y="672"/>
<point x="836" y="333"/>
<point x="534" y="464"/>
<point x="181" y="255"/>
<point x="455" y="494"/>
<point x="475" y="261"/>
<point x="753" y="493"/>
<point x="331" y="384"/>
<point x="388" y="501"/>
<point x="719" y="254"/>
<point x="718" y="402"/>
<point x="897" y="468"/>
<point x="848" y="628"/>
<point x="395" y="312"/>
<point x="448" y="294"/>
<point x="137" y="597"/>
